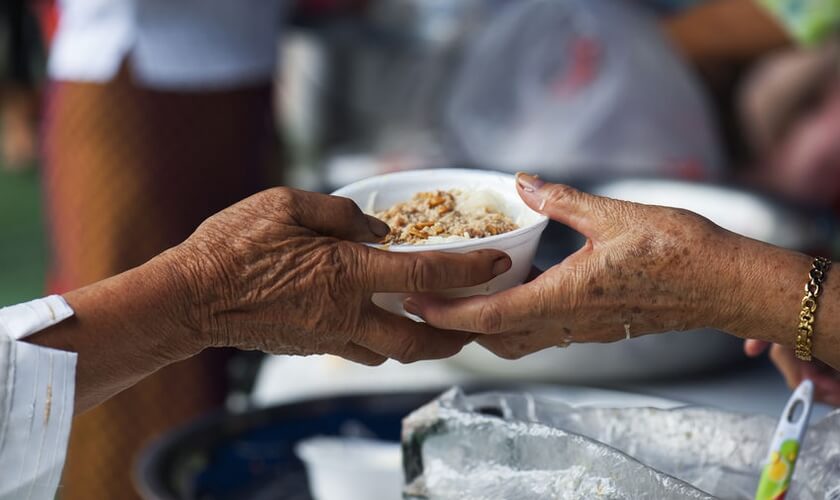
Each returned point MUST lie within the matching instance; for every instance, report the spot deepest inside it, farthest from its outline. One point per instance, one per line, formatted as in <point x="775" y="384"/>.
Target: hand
<point x="282" y="272"/>
<point x="643" y="269"/>
<point x="826" y="380"/>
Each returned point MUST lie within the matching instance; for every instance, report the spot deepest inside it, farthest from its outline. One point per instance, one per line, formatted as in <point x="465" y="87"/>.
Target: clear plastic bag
<point x="581" y="88"/>
<point x="498" y="446"/>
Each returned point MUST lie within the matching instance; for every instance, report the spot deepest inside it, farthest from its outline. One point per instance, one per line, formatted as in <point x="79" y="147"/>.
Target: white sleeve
<point x="36" y="401"/>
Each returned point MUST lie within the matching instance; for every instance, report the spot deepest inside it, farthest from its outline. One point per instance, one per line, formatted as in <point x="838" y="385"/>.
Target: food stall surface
<point x="752" y="387"/>
<point x="252" y="454"/>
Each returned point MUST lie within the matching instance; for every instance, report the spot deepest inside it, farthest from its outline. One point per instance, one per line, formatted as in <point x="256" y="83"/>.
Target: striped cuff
<point x="37" y="387"/>
<point x="34" y="419"/>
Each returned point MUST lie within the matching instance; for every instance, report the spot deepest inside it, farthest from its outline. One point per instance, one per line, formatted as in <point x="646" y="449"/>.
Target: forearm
<point x="124" y="329"/>
<point x="765" y="299"/>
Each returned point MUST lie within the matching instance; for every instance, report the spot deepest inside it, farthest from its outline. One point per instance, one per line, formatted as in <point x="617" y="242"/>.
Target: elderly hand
<point x="826" y="379"/>
<point x="283" y="272"/>
<point x="643" y="269"/>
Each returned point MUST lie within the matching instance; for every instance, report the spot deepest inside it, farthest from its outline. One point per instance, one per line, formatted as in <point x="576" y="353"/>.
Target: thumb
<point x="754" y="348"/>
<point x="561" y="203"/>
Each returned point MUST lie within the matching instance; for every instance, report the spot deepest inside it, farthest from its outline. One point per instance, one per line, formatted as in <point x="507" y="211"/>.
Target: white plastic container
<point x="352" y="468"/>
<point x="384" y="191"/>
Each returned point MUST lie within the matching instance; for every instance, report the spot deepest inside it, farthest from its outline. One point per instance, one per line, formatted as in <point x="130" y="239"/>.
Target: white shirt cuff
<point x="37" y="388"/>
<point x="21" y="320"/>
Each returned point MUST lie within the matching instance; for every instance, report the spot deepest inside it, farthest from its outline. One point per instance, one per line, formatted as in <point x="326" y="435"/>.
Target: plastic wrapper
<point x="584" y="88"/>
<point x="499" y="446"/>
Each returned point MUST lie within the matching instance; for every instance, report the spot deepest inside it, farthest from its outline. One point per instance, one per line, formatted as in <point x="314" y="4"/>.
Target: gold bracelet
<point x="813" y="289"/>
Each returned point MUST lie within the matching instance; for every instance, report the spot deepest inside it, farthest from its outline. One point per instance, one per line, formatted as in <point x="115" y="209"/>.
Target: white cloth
<point x="36" y="402"/>
<point x="171" y="44"/>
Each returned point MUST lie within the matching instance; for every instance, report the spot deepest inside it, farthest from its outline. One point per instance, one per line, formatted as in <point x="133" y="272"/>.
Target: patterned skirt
<point x="130" y="172"/>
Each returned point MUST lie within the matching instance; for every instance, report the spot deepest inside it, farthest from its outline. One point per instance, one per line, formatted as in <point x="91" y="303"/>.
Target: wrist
<point x="176" y="287"/>
<point x="761" y="295"/>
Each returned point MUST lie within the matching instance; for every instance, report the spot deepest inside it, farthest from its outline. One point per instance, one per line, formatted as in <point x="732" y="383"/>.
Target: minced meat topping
<point x="437" y="215"/>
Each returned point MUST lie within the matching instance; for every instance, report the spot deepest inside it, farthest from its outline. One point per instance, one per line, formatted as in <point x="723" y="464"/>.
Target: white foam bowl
<point x="352" y="468"/>
<point x="383" y="191"/>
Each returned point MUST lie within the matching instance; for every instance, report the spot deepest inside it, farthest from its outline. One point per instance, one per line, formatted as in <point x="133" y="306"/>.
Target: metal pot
<point x="251" y="455"/>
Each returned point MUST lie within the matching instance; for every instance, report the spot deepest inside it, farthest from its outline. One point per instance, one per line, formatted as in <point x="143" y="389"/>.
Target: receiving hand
<point x="643" y="269"/>
<point x="283" y="272"/>
<point x="826" y="379"/>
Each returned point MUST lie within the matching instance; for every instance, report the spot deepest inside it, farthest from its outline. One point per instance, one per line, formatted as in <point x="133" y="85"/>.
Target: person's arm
<point x="644" y="269"/>
<point x="124" y="329"/>
<point x="768" y="306"/>
<point x="725" y="31"/>
<point x="279" y="272"/>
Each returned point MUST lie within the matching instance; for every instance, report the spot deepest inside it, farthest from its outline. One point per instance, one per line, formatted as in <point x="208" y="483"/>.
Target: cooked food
<point x="443" y="216"/>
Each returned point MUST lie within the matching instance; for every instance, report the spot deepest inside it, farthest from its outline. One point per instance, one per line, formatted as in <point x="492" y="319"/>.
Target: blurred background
<point x="123" y="124"/>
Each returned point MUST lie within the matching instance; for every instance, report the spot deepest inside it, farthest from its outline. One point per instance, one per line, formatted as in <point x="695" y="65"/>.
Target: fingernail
<point x="529" y="183"/>
<point x="411" y="306"/>
<point x="378" y="227"/>
<point x="501" y="265"/>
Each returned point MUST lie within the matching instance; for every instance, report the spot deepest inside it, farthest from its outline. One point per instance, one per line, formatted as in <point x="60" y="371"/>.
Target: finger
<point x="361" y="355"/>
<point x="517" y="346"/>
<point x="430" y="271"/>
<point x="827" y="387"/>
<point x="484" y="314"/>
<point x="407" y="341"/>
<point x="787" y="364"/>
<point x="826" y="382"/>
<point x="754" y="348"/>
<point x="830" y="399"/>
<point x="333" y="216"/>
<point x="562" y="203"/>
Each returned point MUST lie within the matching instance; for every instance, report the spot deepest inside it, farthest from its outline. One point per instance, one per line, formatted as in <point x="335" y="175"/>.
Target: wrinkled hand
<point x="826" y="379"/>
<point x="282" y="272"/>
<point x="643" y="269"/>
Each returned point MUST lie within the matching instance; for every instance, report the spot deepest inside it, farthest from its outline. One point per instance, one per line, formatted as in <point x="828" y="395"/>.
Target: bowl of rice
<point x="452" y="210"/>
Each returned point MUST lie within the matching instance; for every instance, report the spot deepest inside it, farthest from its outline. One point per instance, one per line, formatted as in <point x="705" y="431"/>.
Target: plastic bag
<point x="581" y="88"/>
<point x="494" y="445"/>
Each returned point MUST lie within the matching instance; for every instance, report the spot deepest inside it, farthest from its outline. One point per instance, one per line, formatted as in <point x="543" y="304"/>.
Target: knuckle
<point x="510" y="355"/>
<point x="688" y="214"/>
<point x="408" y="351"/>
<point x="280" y="200"/>
<point x="474" y="271"/>
<point x="504" y="349"/>
<point x="489" y="319"/>
<point x="281" y="195"/>
<point x="560" y="194"/>
<point x="347" y="208"/>
<point x="421" y="274"/>
<point x="351" y="260"/>
<point x="542" y="302"/>
<point x="375" y="361"/>
<point x="694" y="222"/>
